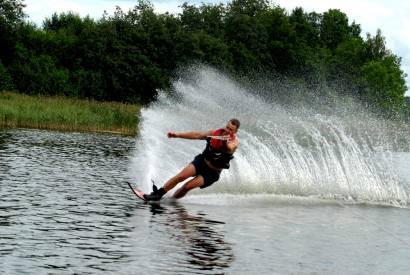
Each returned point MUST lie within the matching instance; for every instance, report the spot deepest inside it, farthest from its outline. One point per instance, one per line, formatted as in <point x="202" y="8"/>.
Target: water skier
<point x="206" y="167"/>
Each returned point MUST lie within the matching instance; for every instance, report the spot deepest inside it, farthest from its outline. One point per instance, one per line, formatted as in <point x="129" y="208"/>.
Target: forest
<point x="128" y="56"/>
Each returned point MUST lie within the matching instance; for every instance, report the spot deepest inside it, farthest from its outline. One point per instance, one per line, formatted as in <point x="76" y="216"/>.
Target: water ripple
<point x="64" y="208"/>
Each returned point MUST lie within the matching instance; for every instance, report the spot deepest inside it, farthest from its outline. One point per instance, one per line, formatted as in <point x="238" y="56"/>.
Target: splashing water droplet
<point x="283" y="150"/>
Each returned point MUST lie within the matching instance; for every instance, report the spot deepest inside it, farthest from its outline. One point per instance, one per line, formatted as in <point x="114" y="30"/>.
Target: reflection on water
<point x="201" y="240"/>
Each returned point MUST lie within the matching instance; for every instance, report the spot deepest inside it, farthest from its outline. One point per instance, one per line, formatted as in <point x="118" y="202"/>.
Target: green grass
<point x="67" y="114"/>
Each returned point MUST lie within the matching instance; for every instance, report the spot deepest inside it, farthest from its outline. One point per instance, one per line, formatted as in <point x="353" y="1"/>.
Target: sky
<point x="392" y="17"/>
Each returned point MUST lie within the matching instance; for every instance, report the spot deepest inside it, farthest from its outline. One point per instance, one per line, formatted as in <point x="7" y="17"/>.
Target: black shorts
<point x="210" y="175"/>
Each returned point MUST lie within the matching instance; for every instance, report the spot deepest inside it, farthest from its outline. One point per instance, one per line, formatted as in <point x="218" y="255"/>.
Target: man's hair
<point x="235" y="122"/>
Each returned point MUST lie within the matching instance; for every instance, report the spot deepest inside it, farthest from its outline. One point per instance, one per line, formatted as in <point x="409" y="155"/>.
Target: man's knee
<point x="190" y="185"/>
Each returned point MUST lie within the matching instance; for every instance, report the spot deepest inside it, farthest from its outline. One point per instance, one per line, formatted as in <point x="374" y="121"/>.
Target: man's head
<point x="232" y="126"/>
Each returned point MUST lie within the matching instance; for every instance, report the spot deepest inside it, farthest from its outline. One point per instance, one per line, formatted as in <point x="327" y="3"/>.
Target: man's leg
<point x="194" y="183"/>
<point x="187" y="172"/>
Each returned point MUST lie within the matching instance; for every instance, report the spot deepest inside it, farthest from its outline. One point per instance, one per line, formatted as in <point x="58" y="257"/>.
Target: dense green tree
<point x="246" y="35"/>
<point x="11" y="16"/>
<point x="40" y="75"/>
<point x="384" y="83"/>
<point x="6" y="82"/>
<point x="304" y="43"/>
<point x="334" y="28"/>
<point x="129" y="56"/>
<point x="348" y="55"/>
<point x="376" y="46"/>
<point x="251" y="8"/>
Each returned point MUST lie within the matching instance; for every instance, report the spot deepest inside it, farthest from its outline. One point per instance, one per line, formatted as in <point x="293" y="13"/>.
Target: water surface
<point x="65" y="209"/>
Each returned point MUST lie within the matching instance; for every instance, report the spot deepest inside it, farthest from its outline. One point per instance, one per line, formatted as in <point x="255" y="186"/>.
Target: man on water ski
<point x="207" y="166"/>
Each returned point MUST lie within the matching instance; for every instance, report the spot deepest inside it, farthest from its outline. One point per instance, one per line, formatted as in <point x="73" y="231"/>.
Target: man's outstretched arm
<point x="190" y="135"/>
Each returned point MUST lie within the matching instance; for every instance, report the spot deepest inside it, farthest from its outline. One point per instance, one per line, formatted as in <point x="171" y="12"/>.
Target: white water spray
<point x="282" y="150"/>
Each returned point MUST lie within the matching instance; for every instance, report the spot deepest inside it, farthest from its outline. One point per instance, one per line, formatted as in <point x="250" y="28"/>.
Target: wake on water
<point x="283" y="150"/>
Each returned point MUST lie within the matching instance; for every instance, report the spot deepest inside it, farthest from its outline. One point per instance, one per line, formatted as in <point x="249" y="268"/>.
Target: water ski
<point x="137" y="192"/>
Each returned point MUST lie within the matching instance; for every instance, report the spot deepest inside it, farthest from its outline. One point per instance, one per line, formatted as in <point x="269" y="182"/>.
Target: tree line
<point x="129" y="55"/>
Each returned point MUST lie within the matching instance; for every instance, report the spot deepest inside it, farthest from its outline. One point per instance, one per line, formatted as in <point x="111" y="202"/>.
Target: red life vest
<point x="215" y="153"/>
<point x="218" y="143"/>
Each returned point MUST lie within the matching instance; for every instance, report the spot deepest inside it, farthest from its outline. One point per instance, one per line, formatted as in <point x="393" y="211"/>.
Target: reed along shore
<point x="67" y="114"/>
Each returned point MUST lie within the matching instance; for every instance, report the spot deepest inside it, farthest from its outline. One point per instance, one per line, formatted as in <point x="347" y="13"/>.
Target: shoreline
<point x="125" y="132"/>
<point x="66" y="114"/>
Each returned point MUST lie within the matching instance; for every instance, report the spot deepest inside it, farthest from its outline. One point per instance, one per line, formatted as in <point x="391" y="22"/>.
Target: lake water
<point x="65" y="209"/>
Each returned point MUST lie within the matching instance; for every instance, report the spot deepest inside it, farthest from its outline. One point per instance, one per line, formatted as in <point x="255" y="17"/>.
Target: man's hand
<point x="231" y="144"/>
<point x="172" y="135"/>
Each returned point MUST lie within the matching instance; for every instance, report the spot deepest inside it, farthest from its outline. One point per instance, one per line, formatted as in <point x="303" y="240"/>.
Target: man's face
<point x="230" y="129"/>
